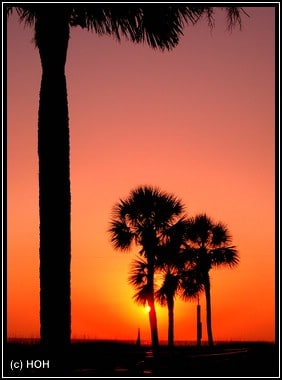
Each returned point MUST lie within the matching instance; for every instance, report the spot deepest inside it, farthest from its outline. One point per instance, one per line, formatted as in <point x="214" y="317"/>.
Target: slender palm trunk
<point x="199" y="326"/>
<point x="153" y="324"/>
<point x="170" y="305"/>
<point x="151" y="303"/>
<point x="208" y="309"/>
<point x="52" y="35"/>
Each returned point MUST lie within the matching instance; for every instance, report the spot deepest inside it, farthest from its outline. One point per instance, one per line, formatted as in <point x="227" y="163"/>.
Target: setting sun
<point x="147" y="309"/>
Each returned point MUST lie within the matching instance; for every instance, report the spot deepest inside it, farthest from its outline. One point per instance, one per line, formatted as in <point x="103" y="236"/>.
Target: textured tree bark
<point x="52" y="34"/>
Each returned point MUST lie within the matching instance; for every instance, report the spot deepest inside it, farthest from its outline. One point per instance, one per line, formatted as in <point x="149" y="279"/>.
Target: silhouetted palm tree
<point x="208" y="246"/>
<point x="143" y="219"/>
<point x="165" y="296"/>
<point x="158" y="25"/>
<point x="171" y="264"/>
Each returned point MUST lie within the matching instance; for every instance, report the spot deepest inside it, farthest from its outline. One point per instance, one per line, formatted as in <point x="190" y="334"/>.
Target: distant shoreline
<point x="144" y="342"/>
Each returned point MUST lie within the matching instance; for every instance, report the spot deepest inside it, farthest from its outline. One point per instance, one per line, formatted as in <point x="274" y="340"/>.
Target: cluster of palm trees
<point x="160" y="26"/>
<point x="178" y="250"/>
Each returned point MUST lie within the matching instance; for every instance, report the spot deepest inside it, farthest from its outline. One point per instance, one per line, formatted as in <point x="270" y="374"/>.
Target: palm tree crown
<point x="143" y="218"/>
<point x="209" y="243"/>
<point x="158" y="25"/>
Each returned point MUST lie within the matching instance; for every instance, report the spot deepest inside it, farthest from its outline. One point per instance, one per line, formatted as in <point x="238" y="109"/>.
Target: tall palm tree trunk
<point x="208" y="309"/>
<point x="52" y="35"/>
<point x="170" y="305"/>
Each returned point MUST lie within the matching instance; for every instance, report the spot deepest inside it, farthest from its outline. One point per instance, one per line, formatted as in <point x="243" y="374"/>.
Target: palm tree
<point x="171" y="264"/>
<point x="143" y="219"/>
<point x="165" y="296"/>
<point x="158" y="25"/>
<point x="168" y="264"/>
<point x="208" y="246"/>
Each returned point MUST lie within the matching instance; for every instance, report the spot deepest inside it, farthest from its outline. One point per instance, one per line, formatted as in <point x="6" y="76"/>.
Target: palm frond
<point x="220" y="234"/>
<point x="169" y="287"/>
<point x="199" y="228"/>
<point x="120" y="235"/>
<point x="27" y="14"/>
<point x="138" y="272"/>
<point x="159" y="25"/>
<point x="224" y="256"/>
<point x="138" y="277"/>
<point x="233" y="16"/>
<point x="142" y="295"/>
<point x="175" y="233"/>
<point x="190" y="255"/>
<point x="149" y="205"/>
<point x="191" y="284"/>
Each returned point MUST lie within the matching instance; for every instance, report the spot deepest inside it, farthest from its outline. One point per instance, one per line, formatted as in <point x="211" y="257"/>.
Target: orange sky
<point x="197" y="122"/>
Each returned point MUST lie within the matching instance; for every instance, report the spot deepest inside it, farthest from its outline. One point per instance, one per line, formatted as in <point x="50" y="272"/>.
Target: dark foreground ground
<point x="113" y="359"/>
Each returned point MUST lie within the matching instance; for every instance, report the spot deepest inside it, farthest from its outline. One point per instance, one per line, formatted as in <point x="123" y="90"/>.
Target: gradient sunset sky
<point x="197" y="122"/>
